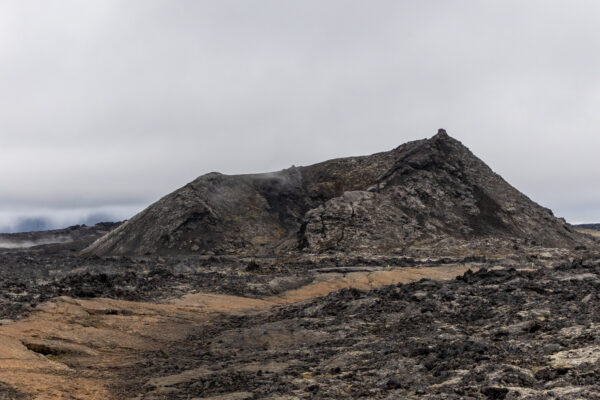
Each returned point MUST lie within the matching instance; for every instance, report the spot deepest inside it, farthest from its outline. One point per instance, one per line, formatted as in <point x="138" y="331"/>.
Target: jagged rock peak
<point x="442" y="137"/>
<point x="441" y="133"/>
<point x="420" y="195"/>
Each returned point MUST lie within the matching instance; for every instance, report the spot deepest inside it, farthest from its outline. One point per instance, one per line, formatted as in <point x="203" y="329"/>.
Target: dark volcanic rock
<point x="6" y="392"/>
<point x="517" y="333"/>
<point x="419" y="194"/>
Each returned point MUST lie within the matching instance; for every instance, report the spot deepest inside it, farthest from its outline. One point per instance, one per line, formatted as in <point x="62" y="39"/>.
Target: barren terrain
<point x="521" y="326"/>
<point x="414" y="273"/>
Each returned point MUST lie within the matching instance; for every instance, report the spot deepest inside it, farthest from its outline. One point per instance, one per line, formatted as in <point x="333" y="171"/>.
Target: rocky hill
<point x="422" y="194"/>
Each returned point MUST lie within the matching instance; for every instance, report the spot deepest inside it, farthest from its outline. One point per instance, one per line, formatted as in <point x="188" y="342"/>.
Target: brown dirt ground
<point x="69" y="348"/>
<point x="590" y="232"/>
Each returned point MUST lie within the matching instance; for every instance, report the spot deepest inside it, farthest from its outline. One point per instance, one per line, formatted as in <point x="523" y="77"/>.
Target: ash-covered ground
<point x="492" y="334"/>
<point x="523" y="326"/>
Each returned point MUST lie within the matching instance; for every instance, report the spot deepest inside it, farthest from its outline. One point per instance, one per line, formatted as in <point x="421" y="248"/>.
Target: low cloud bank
<point x="47" y="219"/>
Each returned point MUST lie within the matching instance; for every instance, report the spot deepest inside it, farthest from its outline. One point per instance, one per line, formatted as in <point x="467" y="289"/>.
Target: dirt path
<point x="323" y="285"/>
<point x="69" y="348"/>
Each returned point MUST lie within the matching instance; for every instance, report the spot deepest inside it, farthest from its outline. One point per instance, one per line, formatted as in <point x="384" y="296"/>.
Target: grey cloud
<point x="114" y="103"/>
<point x="34" y="219"/>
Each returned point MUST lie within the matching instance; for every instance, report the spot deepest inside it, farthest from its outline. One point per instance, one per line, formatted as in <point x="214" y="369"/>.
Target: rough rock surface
<point x="524" y="333"/>
<point x="418" y="194"/>
<point x="523" y="326"/>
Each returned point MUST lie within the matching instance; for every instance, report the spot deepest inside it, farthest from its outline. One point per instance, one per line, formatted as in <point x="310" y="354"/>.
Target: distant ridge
<point x="38" y="224"/>
<point x="424" y="193"/>
<point x="595" y="227"/>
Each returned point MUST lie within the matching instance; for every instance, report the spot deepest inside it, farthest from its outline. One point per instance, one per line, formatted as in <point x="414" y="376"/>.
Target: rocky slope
<point x="427" y="193"/>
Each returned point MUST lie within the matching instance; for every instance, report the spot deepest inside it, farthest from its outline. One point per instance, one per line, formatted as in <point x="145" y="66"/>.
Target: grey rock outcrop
<point x="418" y="194"/>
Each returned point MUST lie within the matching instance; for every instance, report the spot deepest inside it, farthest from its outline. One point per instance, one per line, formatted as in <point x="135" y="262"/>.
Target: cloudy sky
<point x="105" y="106"/>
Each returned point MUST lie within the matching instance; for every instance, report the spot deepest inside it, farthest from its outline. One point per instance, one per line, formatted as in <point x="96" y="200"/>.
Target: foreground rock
<point x="193" y="327"/>
<point x="425" y="194"/>
<point x="493" y="334"/>
<point x="84" y="349"/>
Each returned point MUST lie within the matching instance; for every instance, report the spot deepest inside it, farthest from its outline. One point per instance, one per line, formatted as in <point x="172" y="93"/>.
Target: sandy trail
<point x="323" y="285"/>
<point x="70" y="348"/>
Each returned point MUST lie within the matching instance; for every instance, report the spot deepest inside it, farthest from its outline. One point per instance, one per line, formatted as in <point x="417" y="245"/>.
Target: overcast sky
<point x="106" y="106"/>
